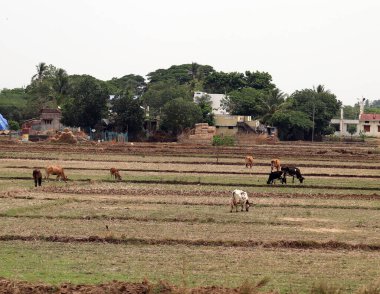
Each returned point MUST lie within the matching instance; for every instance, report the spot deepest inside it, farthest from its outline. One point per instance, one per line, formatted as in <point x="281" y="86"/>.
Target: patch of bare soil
<point x="114" y="287"/>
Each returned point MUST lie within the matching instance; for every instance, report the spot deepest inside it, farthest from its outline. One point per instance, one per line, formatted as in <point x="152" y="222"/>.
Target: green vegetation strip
<point x="288" y="244"/>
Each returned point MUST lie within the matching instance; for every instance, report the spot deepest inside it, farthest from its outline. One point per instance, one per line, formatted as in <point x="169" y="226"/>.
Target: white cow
<point x="239" y="197"/>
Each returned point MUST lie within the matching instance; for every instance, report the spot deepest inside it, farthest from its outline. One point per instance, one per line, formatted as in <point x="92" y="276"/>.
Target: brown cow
<point x="37" y="176"/>
<point x="275" y="164"/>
<point x="249" y="161"/>
<point x="55" y="170"/>
<point x="115" y="174"/>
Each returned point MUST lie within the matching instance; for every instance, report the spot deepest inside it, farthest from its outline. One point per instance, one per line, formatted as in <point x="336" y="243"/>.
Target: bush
<point x="13" y="125"/>
<point x="218" y="140"/>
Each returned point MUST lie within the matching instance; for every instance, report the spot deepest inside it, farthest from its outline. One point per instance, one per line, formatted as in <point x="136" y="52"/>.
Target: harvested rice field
<point x="167" y="226"/>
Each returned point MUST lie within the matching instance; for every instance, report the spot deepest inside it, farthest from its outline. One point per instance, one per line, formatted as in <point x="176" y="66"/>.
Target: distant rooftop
<point x="369" y="116"/>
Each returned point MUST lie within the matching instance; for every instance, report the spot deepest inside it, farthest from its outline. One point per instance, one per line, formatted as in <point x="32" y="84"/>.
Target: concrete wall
<point x="374" y="128"/>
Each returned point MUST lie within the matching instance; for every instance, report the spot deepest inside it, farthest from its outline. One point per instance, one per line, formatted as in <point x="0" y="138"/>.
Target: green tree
<point x="182" y="74"/>
<point x="372" y="110"/>
<point x="13" y="125"/>
<point x="351" y="129"/>
<point x="247" y="101"/>
<point x="179" y="114"/>
<point x="220" y="82"/>
<point x="272" y="102"/>
<point x="49" y="86"/>
<point x="375" y="103"/>
<point x="349" y="112"/>
<point x="259" y="80"/>
<point x="159" y="93"/>
<point x="41" y="68"/>
<point x="320" y="106"/>
<point x="134" y="84"/>
<point x="127" y="114"/>
<point x="60" y="81"/>
<point x="87" y="102"/>
<point x="291" y="124"/>
<point x="205" y="104"/>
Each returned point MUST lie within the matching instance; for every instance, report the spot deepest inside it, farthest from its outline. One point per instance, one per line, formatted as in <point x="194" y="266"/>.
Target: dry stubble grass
<point x="273" y="220"/>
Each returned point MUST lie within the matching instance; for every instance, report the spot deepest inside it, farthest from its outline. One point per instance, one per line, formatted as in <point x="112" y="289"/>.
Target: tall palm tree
<point x="321" y="89"/>
<point x="61" y="81"/>
<point x="41" y="71"/>
<point x="273" y="100"/>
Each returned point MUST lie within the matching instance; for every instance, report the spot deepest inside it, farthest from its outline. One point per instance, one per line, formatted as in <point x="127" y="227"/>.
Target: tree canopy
<point x="127" y="115"/>
<point x="318" y="104"/>
<point x="179" y="114"/>
<point x="85" y="99"/>
<point x="87" y="103"/>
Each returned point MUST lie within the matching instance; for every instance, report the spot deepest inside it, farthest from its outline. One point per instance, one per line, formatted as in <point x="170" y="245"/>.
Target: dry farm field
<point x="169" y="218"/>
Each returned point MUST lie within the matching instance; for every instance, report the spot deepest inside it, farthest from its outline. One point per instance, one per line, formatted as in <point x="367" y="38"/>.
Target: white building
<point x="368" y="123"/>
<point x="216" y="101"/>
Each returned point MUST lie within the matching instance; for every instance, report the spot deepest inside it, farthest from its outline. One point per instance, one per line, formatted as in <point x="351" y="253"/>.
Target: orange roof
<point x="49" y="110"/>
<point x="369" y="116"/>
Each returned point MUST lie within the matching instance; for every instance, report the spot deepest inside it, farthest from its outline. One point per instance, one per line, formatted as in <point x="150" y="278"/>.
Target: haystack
<point x="66" y="136"/>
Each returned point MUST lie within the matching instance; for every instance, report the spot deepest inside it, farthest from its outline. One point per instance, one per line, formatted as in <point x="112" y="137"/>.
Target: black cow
<point x="292" y="171"/>
<point x="37" y="176"/>
<point x="274" y="176"/>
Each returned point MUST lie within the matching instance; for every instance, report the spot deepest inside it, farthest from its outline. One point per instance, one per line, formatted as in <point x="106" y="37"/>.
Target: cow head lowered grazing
<point x="276" y="175"/>
<point x="55" y="170"/>
<point x="239" y="197"/>
<point x="115" y="174"/>
<point x="292" y="171"/>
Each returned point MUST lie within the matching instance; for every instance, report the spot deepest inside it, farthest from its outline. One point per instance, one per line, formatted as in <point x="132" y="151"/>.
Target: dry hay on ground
<point x="68" y="137"/>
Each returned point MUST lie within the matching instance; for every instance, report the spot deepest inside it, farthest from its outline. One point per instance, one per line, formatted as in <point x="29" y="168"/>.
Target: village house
<point x="49" y="120"/>
<point x="227" y="124"/>
<point x="367" y="123"/>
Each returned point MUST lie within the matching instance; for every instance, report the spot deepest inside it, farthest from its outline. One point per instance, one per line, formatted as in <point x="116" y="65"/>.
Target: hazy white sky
<point x="301" y="43"/>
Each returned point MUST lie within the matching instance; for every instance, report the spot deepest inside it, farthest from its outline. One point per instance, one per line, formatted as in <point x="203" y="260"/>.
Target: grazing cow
<point x="115" y="174"/>
<point x="294" y="172"/>
<point x="274" y="176"/>
<point x="37" y="176"/>
<point x="55" y="170"/>
<point x="275" y="164"/>
<point x="249" y="161"/>
<point x="239" y="197"/>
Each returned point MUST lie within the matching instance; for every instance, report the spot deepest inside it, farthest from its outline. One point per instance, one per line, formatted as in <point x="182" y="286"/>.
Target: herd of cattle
<point x="277" y="172"/>
<point x="239" y="197"/>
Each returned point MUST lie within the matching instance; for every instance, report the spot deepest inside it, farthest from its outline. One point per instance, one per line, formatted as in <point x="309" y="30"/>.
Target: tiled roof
<point x="49" y="110"/>
<point x="369" y="116"/>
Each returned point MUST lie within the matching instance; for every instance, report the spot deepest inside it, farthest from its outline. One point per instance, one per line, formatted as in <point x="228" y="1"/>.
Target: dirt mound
<point x="115" y="287"/>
